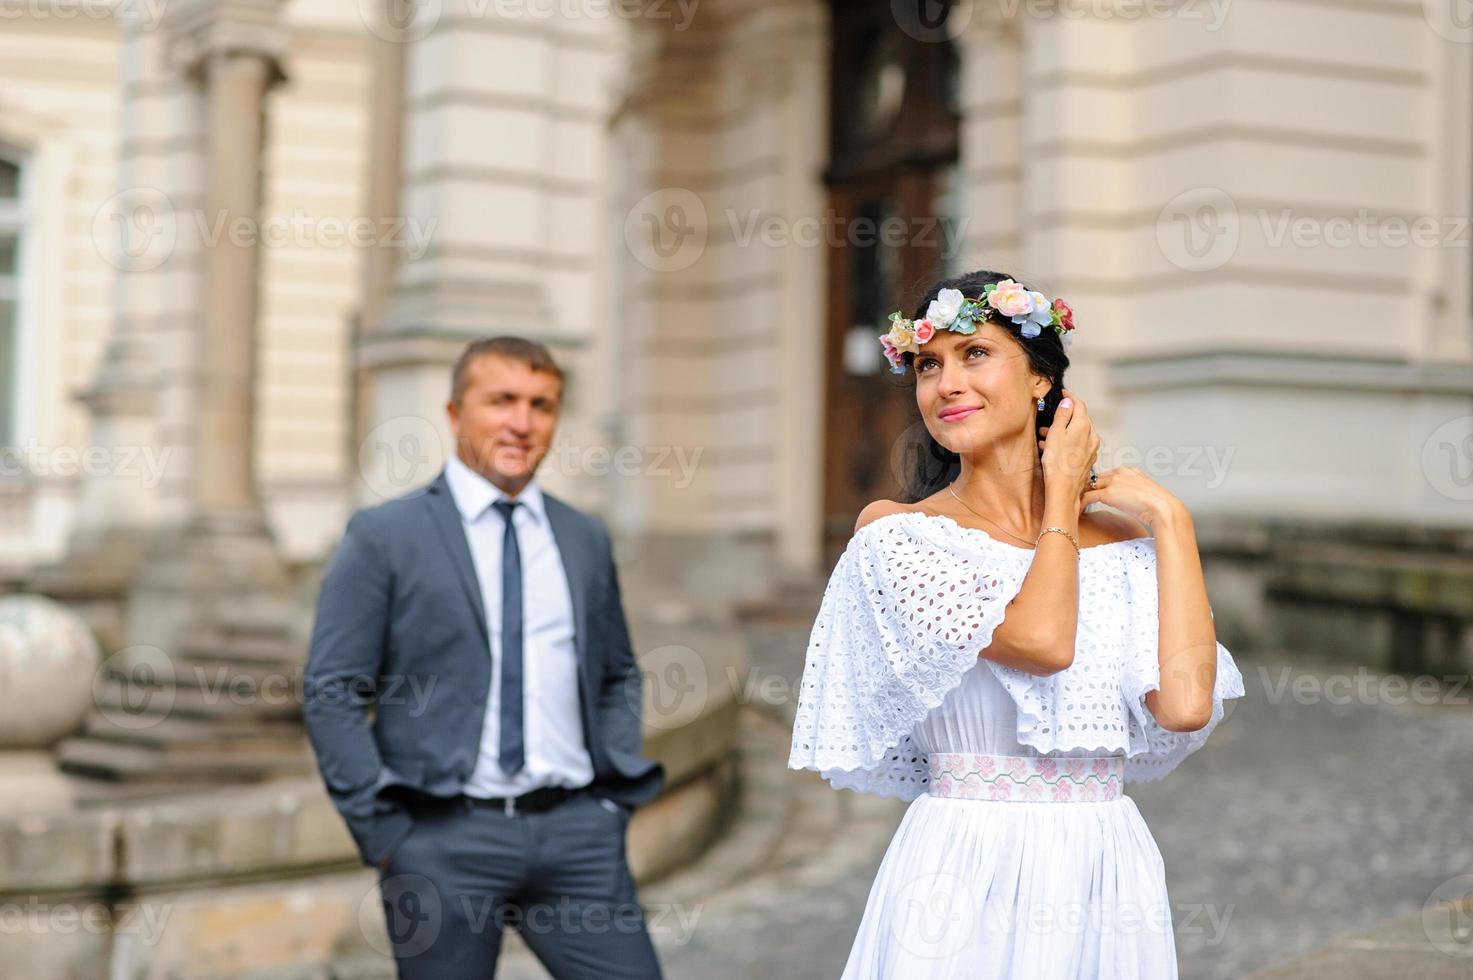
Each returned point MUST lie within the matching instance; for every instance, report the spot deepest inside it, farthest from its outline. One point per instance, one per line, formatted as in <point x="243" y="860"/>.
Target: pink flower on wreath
<point x="943" y="785"/>
<point x="892" y="353"/>
<point x="987" y="766"/>
<point x="1010" y="299"/>
<point x="1087" y="792"/>
<point x="1066" y="314"/>
<point x="976" y="762"/>
<point x="1102" y="768"/>
<point x="1074" y="767"/>
<point x="1048" y="767"/>
<point x="1032" y="791"/>
<point x="999" y="791"/>
<point x="1063" y="791"/>
<point x="1017" y="767"/>
<point x="924" y="331"/>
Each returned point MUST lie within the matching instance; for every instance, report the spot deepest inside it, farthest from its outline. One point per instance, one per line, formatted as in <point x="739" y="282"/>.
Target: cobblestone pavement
<point x="1300" y="822"/>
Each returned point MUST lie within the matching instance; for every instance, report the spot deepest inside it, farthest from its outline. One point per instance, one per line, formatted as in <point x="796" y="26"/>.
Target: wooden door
<point x="893" y="148"/>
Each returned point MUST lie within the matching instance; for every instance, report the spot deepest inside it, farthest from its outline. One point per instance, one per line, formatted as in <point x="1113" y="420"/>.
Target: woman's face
<point x="976" y="389"/>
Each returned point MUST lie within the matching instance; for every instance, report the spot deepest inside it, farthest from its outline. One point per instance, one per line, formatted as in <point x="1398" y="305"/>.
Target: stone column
<point x="141" y="378"/>
<point x="503" y="154"/>
<point x="210" y="614"/>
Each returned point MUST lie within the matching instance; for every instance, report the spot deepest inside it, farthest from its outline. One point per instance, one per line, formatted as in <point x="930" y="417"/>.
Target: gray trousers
<point x="560" y="878"/>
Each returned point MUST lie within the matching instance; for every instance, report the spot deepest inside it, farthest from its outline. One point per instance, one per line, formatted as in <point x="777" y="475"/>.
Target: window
<point x="10" y="244"/>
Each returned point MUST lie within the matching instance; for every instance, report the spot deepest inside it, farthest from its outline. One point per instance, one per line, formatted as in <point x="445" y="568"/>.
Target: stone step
<point x="232" y="735"/>
<point x="246" y="649"/>
<point x="103" y="759"/>
<point x="215" y="680"/>
<point x="188" y="701"/>
<point x="764" y="811"/>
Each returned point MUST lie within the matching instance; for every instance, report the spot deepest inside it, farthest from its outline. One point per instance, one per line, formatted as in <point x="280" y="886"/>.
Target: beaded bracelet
<point x="1072" y="540"/>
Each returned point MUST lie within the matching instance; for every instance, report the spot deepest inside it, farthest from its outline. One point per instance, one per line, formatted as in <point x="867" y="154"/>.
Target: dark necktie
<point x="512" y="754"/>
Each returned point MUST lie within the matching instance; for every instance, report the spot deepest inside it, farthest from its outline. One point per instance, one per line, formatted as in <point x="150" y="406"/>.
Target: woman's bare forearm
<point x="1187" y="645"/>
<point x="1037" y="634"/>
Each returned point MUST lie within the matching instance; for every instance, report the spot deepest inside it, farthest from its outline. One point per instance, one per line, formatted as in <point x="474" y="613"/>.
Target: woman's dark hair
<point x="932" y="465"/>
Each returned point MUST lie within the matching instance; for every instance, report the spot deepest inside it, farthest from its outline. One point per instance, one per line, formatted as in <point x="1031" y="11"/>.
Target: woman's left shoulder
<point x="1110" y="527"/>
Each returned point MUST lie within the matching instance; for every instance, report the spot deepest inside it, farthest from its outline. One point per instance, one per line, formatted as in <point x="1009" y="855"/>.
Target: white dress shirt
<point x="552" y="724"/>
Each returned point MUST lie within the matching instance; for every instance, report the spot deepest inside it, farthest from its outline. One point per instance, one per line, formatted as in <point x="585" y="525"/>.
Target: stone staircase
<point x="225" y="708"/>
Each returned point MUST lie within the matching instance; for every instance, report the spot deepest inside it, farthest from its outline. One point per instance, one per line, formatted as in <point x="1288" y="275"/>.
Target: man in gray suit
<point x="481" y="617"/>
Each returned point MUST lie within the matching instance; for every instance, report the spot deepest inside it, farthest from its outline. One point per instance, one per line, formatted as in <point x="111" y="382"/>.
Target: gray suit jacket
<point x="400" y="625"/>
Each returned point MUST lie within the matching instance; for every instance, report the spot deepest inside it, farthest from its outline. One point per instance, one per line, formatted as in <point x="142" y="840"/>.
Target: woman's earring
<point x="1040" y="404"/>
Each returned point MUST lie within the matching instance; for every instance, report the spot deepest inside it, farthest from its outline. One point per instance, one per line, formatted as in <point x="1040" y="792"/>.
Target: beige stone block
<point x="510" y="64"/>
<point x="475" y="211"/>
<point x="510" y="137"/>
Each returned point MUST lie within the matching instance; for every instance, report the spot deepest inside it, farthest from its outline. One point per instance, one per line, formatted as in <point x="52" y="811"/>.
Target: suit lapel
<point x="446" y="518"/>
<point x="572" y="546"/>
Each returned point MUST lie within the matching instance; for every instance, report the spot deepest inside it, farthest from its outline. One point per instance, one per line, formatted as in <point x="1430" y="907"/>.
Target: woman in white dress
<point x="1007" y="662"/>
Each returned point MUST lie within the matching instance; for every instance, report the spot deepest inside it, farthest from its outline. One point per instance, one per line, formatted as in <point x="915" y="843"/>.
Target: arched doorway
<point x="894" y="132"/>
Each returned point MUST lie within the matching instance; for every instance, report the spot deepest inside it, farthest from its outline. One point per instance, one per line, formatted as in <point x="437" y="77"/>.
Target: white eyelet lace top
<point x="893" y="669"/>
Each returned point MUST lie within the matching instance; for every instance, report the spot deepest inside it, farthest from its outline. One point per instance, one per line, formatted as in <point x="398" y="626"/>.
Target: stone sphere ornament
<point x="48" y="657"/>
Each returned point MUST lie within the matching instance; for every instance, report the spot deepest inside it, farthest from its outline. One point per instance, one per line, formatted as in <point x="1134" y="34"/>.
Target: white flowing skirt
<point x="987" y="889"/>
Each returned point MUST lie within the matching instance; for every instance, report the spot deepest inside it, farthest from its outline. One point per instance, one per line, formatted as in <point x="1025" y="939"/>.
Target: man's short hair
<point x="529" y="352"/>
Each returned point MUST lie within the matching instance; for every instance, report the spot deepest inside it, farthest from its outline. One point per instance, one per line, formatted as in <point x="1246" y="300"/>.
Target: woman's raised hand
<point x="1070" y="446"/>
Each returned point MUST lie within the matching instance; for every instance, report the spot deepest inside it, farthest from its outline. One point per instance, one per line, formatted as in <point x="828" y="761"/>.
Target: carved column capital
<point x="198" y="31"/>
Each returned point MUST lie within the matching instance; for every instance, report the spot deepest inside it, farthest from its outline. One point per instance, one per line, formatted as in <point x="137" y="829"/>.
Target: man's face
<point x="506" y="417"/>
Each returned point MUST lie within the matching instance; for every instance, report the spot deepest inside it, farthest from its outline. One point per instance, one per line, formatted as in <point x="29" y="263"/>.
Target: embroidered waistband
<point x="1045" y="779"/>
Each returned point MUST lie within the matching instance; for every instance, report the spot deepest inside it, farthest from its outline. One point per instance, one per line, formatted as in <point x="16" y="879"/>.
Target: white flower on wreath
<point x="945" y="307"/>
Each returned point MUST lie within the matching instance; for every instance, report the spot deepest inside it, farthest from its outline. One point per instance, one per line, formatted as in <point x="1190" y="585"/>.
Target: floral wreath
<point x="950" y="310"/>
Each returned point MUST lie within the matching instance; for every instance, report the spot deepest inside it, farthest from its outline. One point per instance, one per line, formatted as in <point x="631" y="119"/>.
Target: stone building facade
<point x="241" y="242"/>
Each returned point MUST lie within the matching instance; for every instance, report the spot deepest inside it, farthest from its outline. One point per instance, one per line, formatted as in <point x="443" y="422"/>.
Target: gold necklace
<point x="992" y="522"/>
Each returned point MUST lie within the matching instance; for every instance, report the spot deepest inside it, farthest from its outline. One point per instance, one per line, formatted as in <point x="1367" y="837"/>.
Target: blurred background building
<point x="242" y="242"/>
